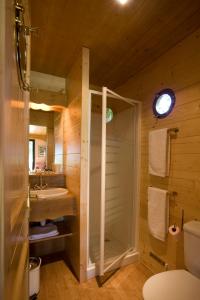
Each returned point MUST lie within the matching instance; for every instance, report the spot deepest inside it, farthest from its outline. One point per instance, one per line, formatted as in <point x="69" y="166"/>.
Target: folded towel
<point x="159" y="152"/>
<point x="39" y="232"/>
<point x="43" y="236"/>
<point x="158" y="212"/>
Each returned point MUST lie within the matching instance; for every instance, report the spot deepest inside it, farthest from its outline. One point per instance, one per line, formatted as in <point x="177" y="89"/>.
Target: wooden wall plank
<point x="122" y="39"/>
<point x="48" y="97"/>
<point x="75" y="131"/>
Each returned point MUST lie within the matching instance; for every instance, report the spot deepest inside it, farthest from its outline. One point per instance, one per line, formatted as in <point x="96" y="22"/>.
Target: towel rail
<point x="170" y="194"/>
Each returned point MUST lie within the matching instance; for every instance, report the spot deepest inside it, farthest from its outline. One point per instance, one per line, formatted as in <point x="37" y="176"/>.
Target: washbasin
<point x="49" y="193"/>
<point x="51" y="203"/>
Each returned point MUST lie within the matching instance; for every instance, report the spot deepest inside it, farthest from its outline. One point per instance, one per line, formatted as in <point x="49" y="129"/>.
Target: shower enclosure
<point x="113" y="180"/>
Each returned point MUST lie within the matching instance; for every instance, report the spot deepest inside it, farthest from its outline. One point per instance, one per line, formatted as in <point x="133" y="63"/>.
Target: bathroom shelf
<point x="49" y="258"/>
<point x="63" y="229"/>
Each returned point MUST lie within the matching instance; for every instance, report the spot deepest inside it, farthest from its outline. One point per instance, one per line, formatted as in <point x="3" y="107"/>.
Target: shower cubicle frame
<point x="132" y="254"/>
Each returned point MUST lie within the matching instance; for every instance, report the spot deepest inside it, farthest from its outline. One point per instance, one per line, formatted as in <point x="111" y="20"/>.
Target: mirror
<point x="47" y="106"/>
<point x="45" y="141"/>
<point x="37" y="147"/>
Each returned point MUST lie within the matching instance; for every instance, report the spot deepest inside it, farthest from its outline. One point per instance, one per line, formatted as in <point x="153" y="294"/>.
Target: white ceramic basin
<point x="49" y="193"/>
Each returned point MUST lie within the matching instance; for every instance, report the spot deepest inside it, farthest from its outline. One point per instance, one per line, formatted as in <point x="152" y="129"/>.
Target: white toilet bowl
<point x="172" y="285"/>
<point x="179" y="284"/>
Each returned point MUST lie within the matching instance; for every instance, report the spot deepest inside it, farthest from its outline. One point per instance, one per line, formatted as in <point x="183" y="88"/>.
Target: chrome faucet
<point x="41" y="186"/>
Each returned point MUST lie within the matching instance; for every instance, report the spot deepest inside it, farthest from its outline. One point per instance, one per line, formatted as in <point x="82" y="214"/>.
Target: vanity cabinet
<point x="50" y="209"/>
<point x="60" y="211"/>
<point x="54" y="247"/>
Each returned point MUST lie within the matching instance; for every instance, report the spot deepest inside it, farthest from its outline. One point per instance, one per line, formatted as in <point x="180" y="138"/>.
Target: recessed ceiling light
<point x="122" y="1"/>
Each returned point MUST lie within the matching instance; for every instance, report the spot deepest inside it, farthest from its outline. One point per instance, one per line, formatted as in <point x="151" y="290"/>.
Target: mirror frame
<point x="171" y="94"/>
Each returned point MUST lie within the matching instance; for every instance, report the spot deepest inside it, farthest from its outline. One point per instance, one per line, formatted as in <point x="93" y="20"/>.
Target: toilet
<point x="179" y="284"/>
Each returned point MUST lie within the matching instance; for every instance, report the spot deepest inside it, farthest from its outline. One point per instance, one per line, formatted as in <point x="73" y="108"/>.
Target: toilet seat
<point x="172" y="285"/>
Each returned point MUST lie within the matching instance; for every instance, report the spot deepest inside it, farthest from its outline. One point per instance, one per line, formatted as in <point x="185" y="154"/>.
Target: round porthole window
<point x="164" y="103"/>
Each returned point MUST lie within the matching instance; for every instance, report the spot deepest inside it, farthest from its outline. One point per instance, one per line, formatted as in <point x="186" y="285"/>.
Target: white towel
<point x="159" y="152"/>
<point x="43" y="235"/>
<point x="42" y="232"/>
<point x="158" y="212"/>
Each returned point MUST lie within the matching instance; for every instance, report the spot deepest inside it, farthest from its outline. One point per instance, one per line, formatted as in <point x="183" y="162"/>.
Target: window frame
<point x="169" y="92"/>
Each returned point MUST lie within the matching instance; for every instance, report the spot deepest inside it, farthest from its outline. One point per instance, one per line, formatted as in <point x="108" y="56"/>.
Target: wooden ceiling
<point x="122" y="39"/>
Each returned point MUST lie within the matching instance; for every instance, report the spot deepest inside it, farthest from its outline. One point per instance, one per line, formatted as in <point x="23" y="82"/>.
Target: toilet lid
<point x="172" y="285"/>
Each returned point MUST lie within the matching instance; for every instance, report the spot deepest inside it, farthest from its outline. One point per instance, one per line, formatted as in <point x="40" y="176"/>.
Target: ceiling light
<point x="122" y="1"/>
<point x="40" y="106"/>
<point x="45" y="107"/>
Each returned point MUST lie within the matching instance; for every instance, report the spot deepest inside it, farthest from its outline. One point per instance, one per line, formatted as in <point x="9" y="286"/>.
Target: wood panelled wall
<point x="42" y="118"/>
<point x="77" y="85"/>
<point x="48" y="97"/>
<point x="72" y="128"/>
<point x="178" y="69"/>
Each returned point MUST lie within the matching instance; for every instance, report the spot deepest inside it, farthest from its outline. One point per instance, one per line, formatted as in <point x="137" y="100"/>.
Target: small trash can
<point x="34" y="275"/>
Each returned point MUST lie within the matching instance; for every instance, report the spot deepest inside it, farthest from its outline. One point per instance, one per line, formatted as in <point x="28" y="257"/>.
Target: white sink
<point x="48" y="193"/>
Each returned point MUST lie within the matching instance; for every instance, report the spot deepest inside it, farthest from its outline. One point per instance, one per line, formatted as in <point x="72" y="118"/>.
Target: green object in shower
<point x="109" y="115"/>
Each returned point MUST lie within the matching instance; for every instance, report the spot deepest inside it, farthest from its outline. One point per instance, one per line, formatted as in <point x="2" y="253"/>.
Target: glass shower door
<point x="117" y="165"/>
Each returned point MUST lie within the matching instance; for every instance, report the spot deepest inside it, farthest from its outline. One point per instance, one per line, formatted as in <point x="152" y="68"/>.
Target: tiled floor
<point x="58" y="283"/>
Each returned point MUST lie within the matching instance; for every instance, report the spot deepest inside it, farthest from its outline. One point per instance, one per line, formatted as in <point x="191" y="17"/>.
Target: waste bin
<point x="34" y="275"/>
